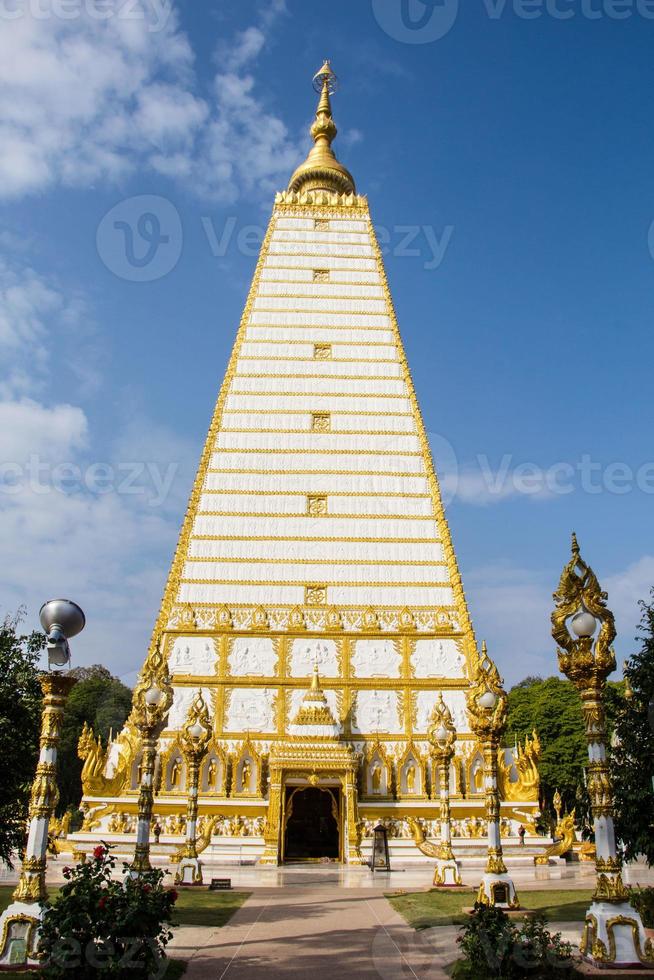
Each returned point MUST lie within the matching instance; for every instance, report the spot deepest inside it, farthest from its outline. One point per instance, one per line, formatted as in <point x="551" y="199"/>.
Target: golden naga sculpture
<point x="94" y="755"/>
<point x="202" y="841"/>
<point x="564" y="839"/>
<point x="527" y="786"/>
<point x="427" y="848"/>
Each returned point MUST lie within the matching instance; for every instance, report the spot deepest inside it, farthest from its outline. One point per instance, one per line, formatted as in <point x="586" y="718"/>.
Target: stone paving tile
<point x="315" y="933"/>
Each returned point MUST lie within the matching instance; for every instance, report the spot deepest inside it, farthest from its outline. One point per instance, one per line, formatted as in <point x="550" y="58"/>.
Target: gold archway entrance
<point x="324" y="765"/>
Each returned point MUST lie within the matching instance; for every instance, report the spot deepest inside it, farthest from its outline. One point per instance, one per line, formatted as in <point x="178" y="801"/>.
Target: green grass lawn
<point x="200" y="907"/>
<point x="194" y="907"/>
<point x="436" y="908"/>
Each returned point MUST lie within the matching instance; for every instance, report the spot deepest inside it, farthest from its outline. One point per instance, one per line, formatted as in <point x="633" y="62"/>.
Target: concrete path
<point x="317" y="933"/>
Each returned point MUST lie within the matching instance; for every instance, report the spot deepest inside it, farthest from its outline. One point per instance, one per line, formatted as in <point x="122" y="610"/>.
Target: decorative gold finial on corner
<point x="321" y="170"/>
<point x="575" y="545"/>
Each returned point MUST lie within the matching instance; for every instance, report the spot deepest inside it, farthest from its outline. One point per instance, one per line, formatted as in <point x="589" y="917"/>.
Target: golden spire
<point x="321" y="170"/>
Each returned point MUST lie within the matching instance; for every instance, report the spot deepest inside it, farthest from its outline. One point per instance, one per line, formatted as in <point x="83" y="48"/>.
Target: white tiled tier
<point x="254" y="540"/>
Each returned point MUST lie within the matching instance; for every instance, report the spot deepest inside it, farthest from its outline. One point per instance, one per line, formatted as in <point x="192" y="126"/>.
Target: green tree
<point x="632" y="755"/>
<point x="20" y="721"/>
<point x="103" y="702"/>
<point x="553" y="707"/>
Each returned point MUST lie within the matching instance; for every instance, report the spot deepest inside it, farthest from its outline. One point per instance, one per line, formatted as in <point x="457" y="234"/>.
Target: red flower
<point x="102" y="903"/>
<point x="66" y="872"/>
<point x="99" y="852"/>
<point x="147" y="888"/>
<point x="173" y="895"/>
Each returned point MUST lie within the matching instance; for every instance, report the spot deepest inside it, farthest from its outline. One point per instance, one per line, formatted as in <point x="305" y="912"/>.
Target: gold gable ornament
<point x="186" y="619"/>
<point x="296" y="619"/>
<point x="407" y="621"/>
<point x="370" y="621"/>
<point x="224" y="619"/>
<point x="259" y="622"/>
<point x="333" y="620"/>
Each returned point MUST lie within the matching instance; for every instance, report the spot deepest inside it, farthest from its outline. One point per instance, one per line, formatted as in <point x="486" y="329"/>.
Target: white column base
<point x="614" y="935"/>
<point x="19" y="934"/>
<point x="498" y="890"/>
<point x="189" y="872"/>
<point x="447" y="873"/>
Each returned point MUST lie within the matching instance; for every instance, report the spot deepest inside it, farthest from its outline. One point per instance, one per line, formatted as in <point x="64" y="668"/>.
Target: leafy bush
<point x="642" y="900"/>
<point x="493" y="946"/>
<point x="98" y="927"/>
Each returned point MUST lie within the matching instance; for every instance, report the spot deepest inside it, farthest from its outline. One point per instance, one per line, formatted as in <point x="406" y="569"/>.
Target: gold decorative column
<point x="486" y="703"/>
<point x="195" y="739"/>
<point x="442" y="736"/>
<point x="20" y="921"/>
<point x="153" y="696"/>
<point x="613" y="933"/>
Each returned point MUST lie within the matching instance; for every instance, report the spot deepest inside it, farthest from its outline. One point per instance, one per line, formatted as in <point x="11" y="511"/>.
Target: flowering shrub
<point x="494" y="946"/>
<point x="99" y="927"/>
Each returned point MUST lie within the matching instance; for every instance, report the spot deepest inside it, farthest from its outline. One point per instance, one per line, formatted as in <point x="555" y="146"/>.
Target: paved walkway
<point x="318" y="933"/>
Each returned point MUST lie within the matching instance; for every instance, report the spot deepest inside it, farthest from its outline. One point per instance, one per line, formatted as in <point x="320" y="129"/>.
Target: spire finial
<point x="315" y="680"/>
<point x="321" y="170"/>
<point x="575" y="545"/>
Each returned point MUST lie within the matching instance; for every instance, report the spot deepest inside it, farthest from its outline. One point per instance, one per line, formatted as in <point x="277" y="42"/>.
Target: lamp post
<point x="19" y="923"/>
<point x="195" y="739"/>
<point x="613" y="933"/>
<point x="486" y="703"/>
<point x="442" y="736"/>
<point x="153" y="696"/>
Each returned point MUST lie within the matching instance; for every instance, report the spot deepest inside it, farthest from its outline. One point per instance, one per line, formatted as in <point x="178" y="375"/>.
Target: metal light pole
<point x="19" y="923"/>
<point x="613" y="933"/>
<point x="486" y="703"/>
<point x="195" y="740"/>
<point x="442" y="736"/>
<point x="153" y="696"/>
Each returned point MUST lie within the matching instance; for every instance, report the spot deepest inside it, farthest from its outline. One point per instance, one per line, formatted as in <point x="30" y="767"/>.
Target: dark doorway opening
<point x="312" y="822"/>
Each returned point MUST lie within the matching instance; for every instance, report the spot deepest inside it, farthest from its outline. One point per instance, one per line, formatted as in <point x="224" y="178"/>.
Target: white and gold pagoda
<point x="314" y="597"/>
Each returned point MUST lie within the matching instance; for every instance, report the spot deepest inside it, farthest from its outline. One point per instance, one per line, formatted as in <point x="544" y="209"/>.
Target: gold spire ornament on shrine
<point x="321" y="171"/>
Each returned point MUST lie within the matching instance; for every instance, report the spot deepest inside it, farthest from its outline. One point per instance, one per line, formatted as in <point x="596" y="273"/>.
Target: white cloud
<point x="28" y="428"/>
<point x="511" y="608"/>
<point x="626" y="589"/>
<point x="87" y="98"/>
<point x="77" y="518"/>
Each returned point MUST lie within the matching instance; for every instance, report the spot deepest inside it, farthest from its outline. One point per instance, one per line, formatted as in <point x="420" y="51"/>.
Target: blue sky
<point x="508" y="162"/>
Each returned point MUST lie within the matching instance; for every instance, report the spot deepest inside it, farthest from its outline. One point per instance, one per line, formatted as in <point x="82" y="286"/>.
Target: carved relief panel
<point x="250" y="710"/>
<point x="376" y="711"/>
<point x="305" y="653"/>
<point x="194" y="655"/>
<point x="182" y="700"/>
<point x="437" y="658"/>
<point x="252" y="656"/>
<point x="376" y="658"/>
